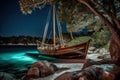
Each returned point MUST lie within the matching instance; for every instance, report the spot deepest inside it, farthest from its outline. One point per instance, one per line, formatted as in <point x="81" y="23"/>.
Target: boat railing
<point x="38" y="43"/>
<point x="46" y="47"/>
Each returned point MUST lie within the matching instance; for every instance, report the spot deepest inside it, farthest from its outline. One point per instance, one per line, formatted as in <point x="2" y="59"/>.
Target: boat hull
<point x="73" y="52"/>
<point x="67" y="56"/>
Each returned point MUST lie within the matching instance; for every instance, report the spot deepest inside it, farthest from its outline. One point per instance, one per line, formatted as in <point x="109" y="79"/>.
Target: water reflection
<point x="17" y="56"/>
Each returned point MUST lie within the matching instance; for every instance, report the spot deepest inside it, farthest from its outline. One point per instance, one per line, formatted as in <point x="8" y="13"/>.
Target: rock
<point x="96" y="51"/>
<point x="65" y="76"/>
<point x="45" y="68"/>
<point x="104" y="56"/>
<point x="82" y="78"/>
<point x="41" y="69"/>
<point x="90" y="73"/>
<point x="69" y="76"/>
<point x="108" y="76"/>
<point x="116" y="71"/>
<point x="45" y="71"/>
<point x="53" y="67"/>
<point x="102" y="50"/>
<point x="6" y="76"/>
<point x="33" y="73"/>
<point x="90" y="52"/>
<point x="95" y="72"/>
<point x="109" y="71"/>
<point x="106" y="61"/>
<point x="90" y="62"/>
<point x="91" y="48"/>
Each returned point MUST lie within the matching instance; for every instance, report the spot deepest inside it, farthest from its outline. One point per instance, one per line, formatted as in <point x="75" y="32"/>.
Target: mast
<point x="54" y="39"/>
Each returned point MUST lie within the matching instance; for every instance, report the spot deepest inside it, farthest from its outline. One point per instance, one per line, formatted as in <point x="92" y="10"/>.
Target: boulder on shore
<point x="90" y="62"/>
<point x="94" y="70"/>
<point x="41" y="69"/>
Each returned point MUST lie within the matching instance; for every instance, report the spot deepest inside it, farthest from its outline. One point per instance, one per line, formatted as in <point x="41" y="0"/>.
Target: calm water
<point x="15" y="57"/>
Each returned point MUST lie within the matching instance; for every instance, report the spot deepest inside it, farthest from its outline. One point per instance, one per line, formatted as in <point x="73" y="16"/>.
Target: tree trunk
<point x="71" y="35"/>
<point x="115" y="51"/>
<point x="115" y="41"/>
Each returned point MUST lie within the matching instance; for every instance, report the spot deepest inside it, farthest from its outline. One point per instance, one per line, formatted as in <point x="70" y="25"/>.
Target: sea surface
<point x="15" y="58"/>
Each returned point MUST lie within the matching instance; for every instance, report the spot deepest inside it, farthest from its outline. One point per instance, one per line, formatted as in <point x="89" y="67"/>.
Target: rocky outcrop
<point x="66" y="76"/>
<point x="94" y="71"/>
<point x="41" y="69"/>
<point x="90" y="62"/>
<point x="94" y="50"/>
<point x="100" y="70"/>
<point x="101" y="53"/>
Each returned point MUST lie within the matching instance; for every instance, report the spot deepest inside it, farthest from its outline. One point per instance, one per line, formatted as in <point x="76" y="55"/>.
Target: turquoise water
<point x="15" y="57"/>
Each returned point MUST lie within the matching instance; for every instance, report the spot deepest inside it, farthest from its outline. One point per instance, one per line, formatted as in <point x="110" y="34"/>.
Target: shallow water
<point x="15" y="57"/>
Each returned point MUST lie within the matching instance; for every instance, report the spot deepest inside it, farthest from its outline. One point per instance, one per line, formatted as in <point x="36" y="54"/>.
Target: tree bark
<point x="71" y="35"/>
<point x="115" y="51"/>
<point x="105" y="21"/>
<point x="115" y="41"/>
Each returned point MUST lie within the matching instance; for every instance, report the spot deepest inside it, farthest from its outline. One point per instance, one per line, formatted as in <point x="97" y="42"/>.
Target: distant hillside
<point x="21" y="40"/>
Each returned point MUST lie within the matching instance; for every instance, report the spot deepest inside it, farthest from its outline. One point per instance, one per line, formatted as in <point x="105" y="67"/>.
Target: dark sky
<point x="14" y="23"/>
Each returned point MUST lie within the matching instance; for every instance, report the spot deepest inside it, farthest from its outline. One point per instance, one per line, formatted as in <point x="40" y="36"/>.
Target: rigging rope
<point x="60" y="31"/>
<point x="46" y="28"/>
<point x="49" y="37"/>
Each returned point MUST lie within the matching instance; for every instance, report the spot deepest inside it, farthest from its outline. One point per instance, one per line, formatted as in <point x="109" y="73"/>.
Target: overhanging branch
<point x="30" y="4"/>
<point x="110" y="15"/>
<point x="114" y="33"/>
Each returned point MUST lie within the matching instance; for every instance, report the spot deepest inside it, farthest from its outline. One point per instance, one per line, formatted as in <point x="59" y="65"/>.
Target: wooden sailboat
<point x="60" y="50"/>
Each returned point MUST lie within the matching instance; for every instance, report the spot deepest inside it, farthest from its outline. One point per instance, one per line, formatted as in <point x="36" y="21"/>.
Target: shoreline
<point x="18" y="44"/>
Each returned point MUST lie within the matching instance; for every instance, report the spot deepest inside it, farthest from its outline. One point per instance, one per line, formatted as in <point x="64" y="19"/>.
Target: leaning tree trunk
<point x="115" y="40"/>
<point x="115" y="51"/>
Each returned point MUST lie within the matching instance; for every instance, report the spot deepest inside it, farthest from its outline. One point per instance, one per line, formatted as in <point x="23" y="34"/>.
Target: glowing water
<point x="15" y="57"/>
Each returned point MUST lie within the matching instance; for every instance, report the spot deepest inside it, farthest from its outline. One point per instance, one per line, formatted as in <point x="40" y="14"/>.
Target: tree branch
<point x="30" y="4"/>
<point x="110" y="15"/>
<point x="114" y="34"/>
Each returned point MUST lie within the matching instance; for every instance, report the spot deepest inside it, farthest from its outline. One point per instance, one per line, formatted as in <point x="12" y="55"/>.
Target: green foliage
<point x="79" y="40"/>
<point x="69" y="11"/>
<point x="27" y="6"/>
<point x="101" y="38"/>
<point x="106" y="46"/>
<point x="77" y="15"/>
